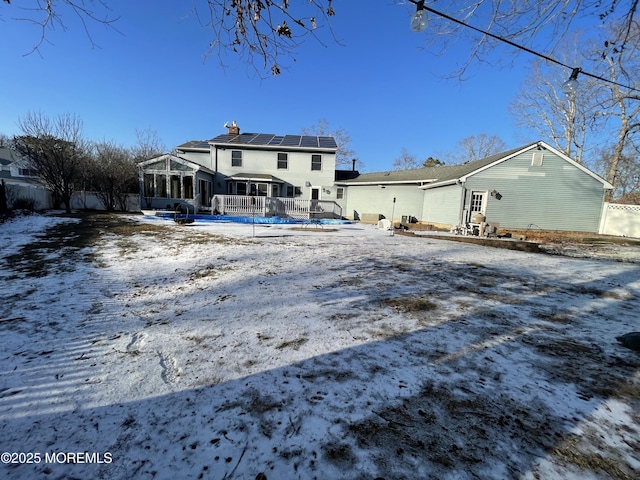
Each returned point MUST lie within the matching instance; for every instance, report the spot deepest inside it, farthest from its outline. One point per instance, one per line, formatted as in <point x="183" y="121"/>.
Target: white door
<point x="478" y="203"/>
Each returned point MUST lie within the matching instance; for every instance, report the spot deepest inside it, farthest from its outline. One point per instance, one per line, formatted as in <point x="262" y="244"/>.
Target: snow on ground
<point x="142" y="349"/>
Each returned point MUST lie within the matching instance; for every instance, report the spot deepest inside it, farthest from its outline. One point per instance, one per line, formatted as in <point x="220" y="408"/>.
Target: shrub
<point x="22" y="203"/>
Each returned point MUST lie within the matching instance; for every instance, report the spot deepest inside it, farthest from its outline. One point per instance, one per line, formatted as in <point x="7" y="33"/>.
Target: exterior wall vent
<point x="537" y="159"/>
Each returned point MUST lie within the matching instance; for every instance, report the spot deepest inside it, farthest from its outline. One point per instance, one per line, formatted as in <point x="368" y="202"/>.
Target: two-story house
<point x="223" y="175"/>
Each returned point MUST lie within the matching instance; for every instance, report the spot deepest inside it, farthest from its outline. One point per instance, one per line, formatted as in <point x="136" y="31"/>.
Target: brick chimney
<point x="232" y="129"/>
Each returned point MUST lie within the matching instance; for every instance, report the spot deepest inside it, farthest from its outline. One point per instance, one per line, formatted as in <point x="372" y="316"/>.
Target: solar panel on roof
<point x="276" y="140"/>
<point x="308" y="141"/>
<point x="291" y="141"/>
<point x="262" y="139"/>
<point x="327" y="142"/>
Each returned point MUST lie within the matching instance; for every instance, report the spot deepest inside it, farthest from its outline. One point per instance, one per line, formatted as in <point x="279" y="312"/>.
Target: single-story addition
<point x="535" y="186"/>
<point x="170" y="179"/>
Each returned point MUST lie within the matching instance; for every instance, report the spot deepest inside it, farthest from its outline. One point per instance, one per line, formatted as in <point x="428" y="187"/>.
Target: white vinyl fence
<point x="82" y="200"/>
<point x="621" y="220"/>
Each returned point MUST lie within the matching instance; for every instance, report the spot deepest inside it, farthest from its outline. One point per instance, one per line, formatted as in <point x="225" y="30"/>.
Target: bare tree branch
<point x="49" y="14"/>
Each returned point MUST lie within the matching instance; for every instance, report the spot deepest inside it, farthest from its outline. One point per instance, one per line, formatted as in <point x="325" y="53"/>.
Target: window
<point x="316" y="162"/>
<point x="262" y="189"/>
<point x="241" y="188"/>
<point x="275" y="190"/>
<point x="283" y="161"/>
<point x="205" y="192"/>
<point x="149" y="190"/>
<point x="161" y="185"/>
<point x="339" y="193"/>
<point x="289" y="191"/>
<point x="175" y="186"/>
<point x="236" y="158"/>
<point x="187" y="185"/>
<point x="27" y="172"/>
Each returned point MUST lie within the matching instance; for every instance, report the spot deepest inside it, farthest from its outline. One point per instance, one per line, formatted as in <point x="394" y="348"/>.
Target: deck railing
<point x="274" y="207"/>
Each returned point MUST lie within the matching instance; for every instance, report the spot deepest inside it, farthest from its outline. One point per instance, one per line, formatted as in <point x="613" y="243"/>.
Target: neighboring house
<point x="220" y="173"/>
<point x="534" y="186"/>
<point x="21" y="182"/>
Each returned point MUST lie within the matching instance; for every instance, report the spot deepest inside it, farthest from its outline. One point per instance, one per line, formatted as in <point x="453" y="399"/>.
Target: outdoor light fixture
<point x="419" y="20"/>
<point x="570" y="87"/>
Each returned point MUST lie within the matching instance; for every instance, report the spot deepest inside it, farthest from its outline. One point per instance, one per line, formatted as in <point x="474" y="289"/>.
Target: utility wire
<point x="513" y="44"/>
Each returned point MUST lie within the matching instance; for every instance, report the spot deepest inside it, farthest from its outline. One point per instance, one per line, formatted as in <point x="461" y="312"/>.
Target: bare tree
<point x="602" y="115"/>
<point x="406" y="161"/>
<point x="266" y="34"/>
<point x="476" y="147"/>
<point x="534" y="24"/>
<point x="620" y="105"/>
<point x="148" y="145"/>
<point x="49" y="14"/>
<point x="112" y="175"/>
<point x="543" y="107"/>
<point x="627" y="173"/>
<point x="345" y="154"/>
<point x="56" y="150"/>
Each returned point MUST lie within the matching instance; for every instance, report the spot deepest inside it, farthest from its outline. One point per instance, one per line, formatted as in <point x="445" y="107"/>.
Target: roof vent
<point x="232" y="129"/>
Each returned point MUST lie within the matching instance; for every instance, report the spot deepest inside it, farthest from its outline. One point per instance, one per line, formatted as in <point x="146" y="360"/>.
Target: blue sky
<point x="380" y="85"/>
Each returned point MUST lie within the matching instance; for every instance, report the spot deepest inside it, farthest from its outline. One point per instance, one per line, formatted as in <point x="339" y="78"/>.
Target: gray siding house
<point x="21" y="183"/>
<point x="534" y="186"/>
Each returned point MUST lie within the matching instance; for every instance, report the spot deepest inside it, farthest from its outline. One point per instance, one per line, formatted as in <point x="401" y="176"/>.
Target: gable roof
<point x="430" y="177"/>
<point x="174" y="158"/>
<point x="8" y="156"/>
<point x="426" y="175"/>
<point x="264" y="140"/>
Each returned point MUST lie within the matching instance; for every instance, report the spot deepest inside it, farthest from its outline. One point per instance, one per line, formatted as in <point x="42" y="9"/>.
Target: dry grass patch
<point x="410" y="304"/>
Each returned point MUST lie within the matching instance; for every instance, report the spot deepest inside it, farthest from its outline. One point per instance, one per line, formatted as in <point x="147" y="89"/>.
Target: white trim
<point x="606" y="185"/>
<point x="184" y="161"/>
<point x="500" y="160"/>
<point x="396" y="182"/>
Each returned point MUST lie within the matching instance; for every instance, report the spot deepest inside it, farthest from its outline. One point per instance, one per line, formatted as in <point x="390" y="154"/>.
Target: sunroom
<point x="169" y="181"/>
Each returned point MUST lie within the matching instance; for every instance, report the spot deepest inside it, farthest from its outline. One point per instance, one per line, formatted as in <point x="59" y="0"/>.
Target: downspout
<point x="461" y="219"/>
<point x="215" y="175"/>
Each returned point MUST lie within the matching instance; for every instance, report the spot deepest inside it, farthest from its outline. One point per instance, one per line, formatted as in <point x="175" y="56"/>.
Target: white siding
<point x="298" y="172"/>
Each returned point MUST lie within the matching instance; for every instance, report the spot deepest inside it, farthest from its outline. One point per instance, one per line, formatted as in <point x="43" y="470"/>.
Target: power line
<point x="420" y="4"/>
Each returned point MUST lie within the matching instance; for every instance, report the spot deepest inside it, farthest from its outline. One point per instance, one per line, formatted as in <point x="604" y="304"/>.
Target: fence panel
<point x="621" y="220"/>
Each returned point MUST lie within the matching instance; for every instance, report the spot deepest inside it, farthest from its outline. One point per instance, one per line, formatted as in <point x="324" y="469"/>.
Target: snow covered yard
<point x="141" y="349"/>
